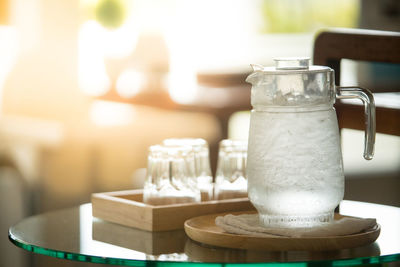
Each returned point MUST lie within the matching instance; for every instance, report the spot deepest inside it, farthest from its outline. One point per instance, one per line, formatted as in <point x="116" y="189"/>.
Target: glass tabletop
<point x="75" y="235"/>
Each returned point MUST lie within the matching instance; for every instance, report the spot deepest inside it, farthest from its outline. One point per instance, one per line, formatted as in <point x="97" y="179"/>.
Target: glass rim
<point x="188" y="141"/>
<point x="163" y="150"/>
<point x="233" y="143"/>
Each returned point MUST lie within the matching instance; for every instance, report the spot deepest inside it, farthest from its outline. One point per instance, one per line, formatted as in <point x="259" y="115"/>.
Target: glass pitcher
<point x="294" y="164"/>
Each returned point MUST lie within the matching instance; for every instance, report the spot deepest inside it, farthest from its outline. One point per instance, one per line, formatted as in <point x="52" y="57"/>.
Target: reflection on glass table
<point x="75" y="235"/>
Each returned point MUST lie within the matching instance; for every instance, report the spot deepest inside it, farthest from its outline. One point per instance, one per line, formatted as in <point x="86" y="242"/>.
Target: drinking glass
<point x="170" y="176"/>
<point x="231" y="180"/>
<point x="204" y="179"/>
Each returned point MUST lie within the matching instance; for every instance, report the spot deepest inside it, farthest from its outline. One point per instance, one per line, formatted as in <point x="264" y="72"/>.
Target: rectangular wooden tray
<point x="127" y="208"/>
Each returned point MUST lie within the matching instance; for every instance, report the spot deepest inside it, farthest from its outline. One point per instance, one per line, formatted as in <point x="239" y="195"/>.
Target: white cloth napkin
<point x="248" y="224"/>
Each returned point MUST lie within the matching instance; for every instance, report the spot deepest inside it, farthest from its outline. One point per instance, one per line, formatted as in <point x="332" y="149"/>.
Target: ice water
<point x="295" y="170"/>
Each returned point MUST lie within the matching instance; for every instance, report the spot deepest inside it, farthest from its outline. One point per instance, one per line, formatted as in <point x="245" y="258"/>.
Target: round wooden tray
<point x="203" y="229"/>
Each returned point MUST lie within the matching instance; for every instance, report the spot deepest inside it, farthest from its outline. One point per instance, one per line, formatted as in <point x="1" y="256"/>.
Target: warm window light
<point x="93" y="81"/>
<point x="129" y="83"/>
<point x="97" y="43"/>
<point x="92" y="75"/>
<point x="9" y="48"/>
<point x="120" y="42"/>
<point x="105" y="113"/>
<point x="182" y="86"/>
<point x="8" y="51"/>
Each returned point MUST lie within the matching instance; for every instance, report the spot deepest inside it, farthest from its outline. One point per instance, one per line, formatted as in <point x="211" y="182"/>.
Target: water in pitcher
<point x="295" y="167"/>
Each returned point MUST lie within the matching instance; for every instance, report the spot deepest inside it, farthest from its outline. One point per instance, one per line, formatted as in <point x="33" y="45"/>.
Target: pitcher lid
<point x="290" y="65"/>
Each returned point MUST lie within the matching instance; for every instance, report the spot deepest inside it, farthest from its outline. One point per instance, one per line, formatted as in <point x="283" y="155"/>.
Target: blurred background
<point x="86" y="86"/>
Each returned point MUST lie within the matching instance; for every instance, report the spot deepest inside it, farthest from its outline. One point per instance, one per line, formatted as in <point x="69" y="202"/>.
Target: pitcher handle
<point x="369" y="110"/>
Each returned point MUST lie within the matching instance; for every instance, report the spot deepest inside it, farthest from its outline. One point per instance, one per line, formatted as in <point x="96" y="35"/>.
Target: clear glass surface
<point x="291" y="83"/>
<point x="74" y="234"/>
<point x="202" y="167"/>
<point x="231" y="178"/>
<point x="369" y="111"/>
<point x="170" y="176"/>
<point x="294" y="169"/>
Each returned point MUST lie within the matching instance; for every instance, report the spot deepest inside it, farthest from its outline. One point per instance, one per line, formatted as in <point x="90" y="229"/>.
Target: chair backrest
<point x="331" y="46"/>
